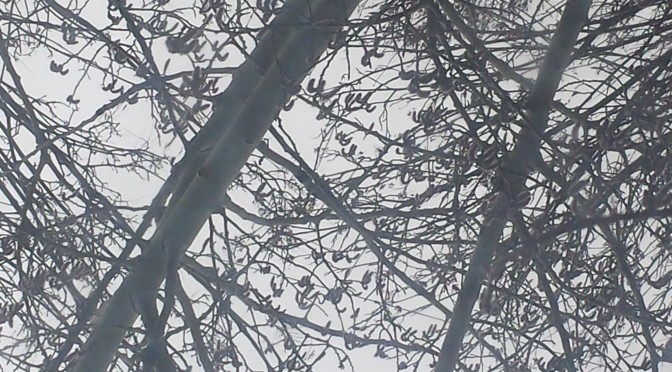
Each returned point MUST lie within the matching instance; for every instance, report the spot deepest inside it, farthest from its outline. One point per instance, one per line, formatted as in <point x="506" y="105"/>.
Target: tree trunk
<point x="242" y="114"/>
<point x="516" y="169"/>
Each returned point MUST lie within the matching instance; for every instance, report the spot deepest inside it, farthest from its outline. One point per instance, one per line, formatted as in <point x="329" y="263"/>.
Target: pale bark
<point x="515" y="169"/>
<point x="243" y="113"/>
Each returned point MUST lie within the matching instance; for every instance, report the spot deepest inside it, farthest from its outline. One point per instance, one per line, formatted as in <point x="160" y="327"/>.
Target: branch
<point x="243" y="113"/>
<point x="515" y="168"/>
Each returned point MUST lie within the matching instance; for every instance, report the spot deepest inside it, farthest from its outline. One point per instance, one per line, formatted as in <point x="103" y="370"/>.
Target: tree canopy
<point x="316" y="185"/>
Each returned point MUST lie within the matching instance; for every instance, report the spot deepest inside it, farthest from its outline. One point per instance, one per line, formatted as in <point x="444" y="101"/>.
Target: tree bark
<point x="515" y="169"/>
<point x="242" y="114"/>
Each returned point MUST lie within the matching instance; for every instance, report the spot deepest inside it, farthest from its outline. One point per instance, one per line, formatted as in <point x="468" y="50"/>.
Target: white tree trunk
<point x="243" y="113"/>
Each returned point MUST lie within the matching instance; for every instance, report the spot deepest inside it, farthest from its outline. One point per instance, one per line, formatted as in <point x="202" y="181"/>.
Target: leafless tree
<point x="472" y="185"/>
